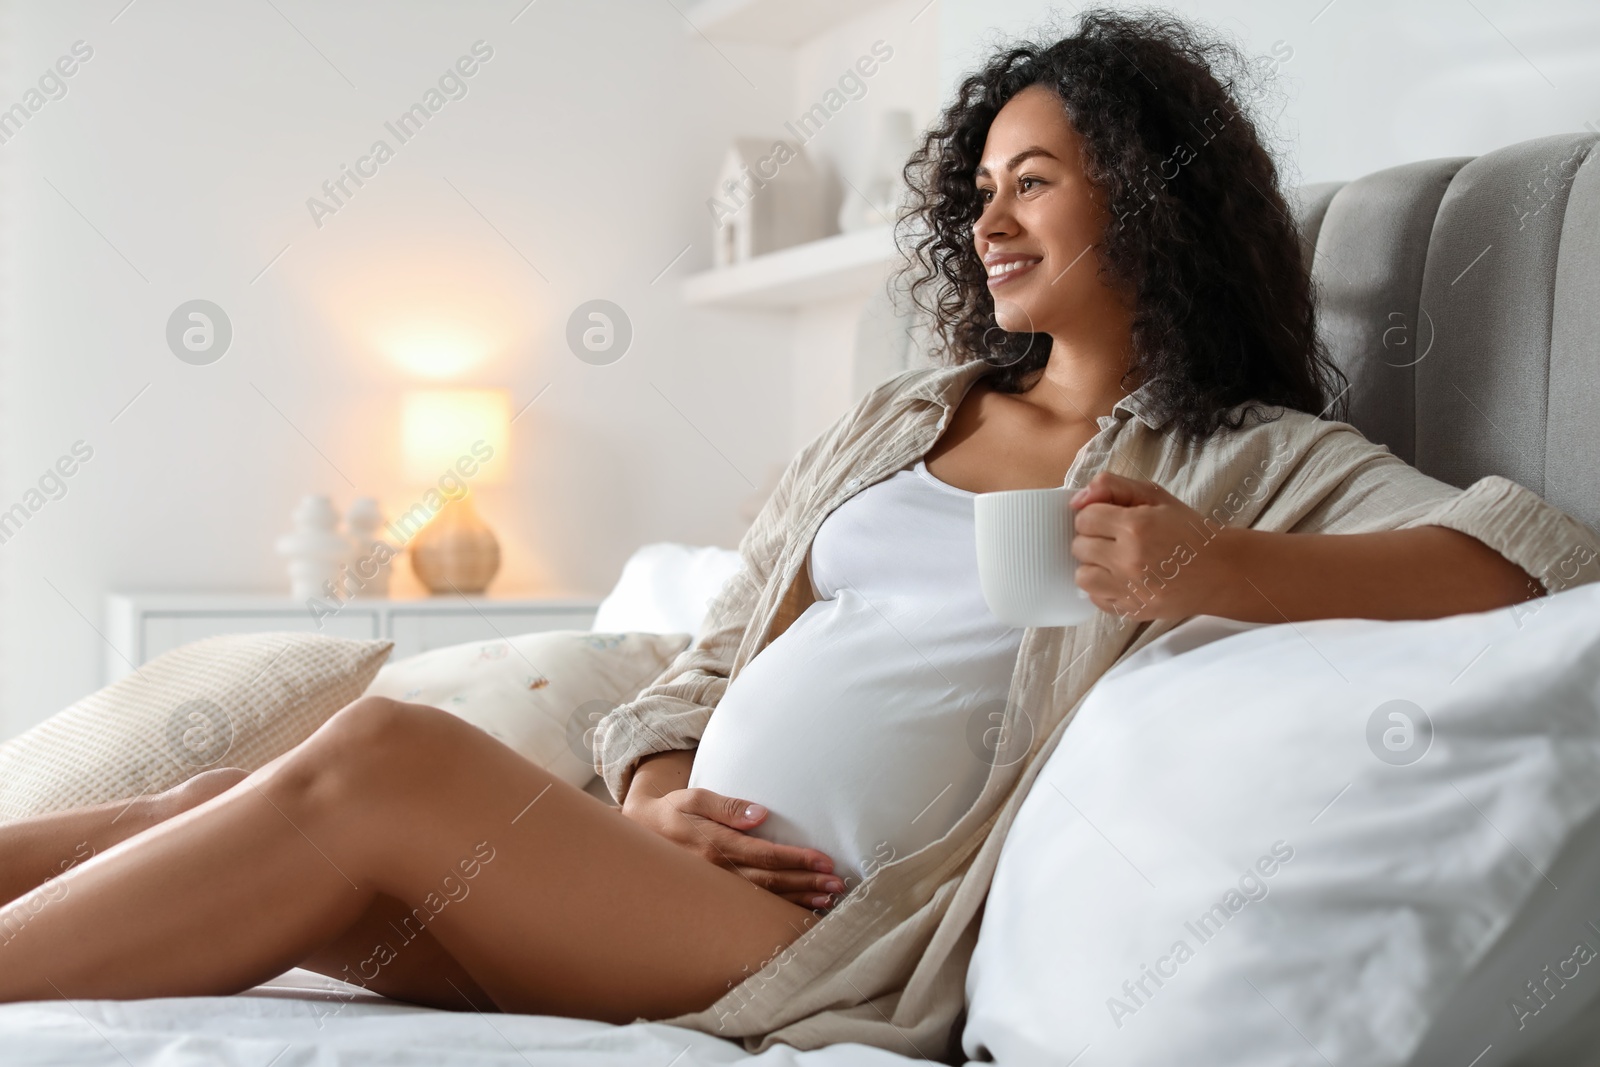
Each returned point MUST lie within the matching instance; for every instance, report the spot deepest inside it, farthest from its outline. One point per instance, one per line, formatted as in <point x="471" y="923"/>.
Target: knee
<point x="378" y="732"/>
<point x="369" y="724"/>
<point x="367" y="747"/>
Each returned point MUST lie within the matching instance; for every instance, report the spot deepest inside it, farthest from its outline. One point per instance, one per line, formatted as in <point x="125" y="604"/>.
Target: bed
<point x="304" y="1018"/>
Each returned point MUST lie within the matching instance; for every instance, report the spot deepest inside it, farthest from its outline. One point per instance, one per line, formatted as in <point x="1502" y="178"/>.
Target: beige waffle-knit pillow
<point x="235" y="701"/>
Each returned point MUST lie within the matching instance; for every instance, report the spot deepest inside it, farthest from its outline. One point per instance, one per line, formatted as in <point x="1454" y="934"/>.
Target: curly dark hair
<point x="1223" y="308"/>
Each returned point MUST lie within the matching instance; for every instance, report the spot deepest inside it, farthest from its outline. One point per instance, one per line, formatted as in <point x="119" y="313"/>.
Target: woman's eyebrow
<point x="1011" y="164"/>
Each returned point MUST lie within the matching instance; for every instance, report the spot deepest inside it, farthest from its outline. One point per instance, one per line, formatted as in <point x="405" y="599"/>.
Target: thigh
<point x="367" y="955"/>
<point x="551" y="901"/>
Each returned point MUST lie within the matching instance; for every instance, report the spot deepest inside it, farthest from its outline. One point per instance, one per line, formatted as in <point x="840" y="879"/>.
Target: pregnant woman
<point x="813" y="795"/>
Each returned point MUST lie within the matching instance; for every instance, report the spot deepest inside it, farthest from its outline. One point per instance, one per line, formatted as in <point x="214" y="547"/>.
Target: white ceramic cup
<point x="1025" y="563"/>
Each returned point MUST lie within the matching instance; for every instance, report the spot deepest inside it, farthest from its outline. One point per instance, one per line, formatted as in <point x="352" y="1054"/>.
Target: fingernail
<point x="833" y="885"/>
<point x="821" y="865"/>
<point x="820" y="902"/>
<point x="754" y="811"/>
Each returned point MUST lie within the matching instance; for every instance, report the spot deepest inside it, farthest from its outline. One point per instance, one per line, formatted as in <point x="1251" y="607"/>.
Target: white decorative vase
<point x="369" y="563"/>
<point x="315" y="551"/>
<point x="882" y="197"/>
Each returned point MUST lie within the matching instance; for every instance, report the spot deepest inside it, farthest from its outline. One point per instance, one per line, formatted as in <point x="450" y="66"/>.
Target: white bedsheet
<point x="299" y="1020"/>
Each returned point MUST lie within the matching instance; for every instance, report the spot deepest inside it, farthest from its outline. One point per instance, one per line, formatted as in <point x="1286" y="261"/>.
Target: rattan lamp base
<point x="456" y="552"/>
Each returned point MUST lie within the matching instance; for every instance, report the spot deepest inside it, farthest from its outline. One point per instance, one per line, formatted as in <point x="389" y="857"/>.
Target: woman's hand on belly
<point x="713" y="827"/>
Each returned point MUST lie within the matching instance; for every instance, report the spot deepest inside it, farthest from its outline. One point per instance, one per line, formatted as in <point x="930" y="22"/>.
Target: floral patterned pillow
<point x="540" y="693"/>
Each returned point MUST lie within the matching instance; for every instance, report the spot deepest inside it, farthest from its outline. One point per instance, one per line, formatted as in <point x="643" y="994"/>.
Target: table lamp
<point x="453" y="440"/>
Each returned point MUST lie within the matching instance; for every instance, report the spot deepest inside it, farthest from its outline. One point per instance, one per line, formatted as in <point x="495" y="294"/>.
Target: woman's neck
<point x="1083" y="379"/>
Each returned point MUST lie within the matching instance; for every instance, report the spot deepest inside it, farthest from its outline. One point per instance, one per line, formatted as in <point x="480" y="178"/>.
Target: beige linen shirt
<point x="887" y="965"/>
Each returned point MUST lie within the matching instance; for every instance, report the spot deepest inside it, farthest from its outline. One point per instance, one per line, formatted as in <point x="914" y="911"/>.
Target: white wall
<point x="1373" y="85"/>
<point x="190" y="142"/>
<point x="823" y="386"/>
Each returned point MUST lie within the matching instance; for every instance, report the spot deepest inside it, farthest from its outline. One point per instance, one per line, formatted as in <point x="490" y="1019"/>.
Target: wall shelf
<point x="847" y="264"/>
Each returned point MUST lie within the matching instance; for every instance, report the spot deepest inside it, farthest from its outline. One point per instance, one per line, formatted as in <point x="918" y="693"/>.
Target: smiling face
<point x="1041" y="218"/>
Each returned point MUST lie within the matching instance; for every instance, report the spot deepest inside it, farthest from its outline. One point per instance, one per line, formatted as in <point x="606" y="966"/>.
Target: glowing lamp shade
<point x="464" y="431"/>
<point x="451" y="441"/>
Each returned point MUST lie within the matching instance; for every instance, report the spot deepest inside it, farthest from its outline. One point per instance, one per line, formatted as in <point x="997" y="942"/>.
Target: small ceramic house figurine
<point x="314" y="548"/>
<point x="369" y="562"/>
<point x="768" y="196"/>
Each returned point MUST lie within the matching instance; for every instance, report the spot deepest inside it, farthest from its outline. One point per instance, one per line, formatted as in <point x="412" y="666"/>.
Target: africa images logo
<point x="199" y="332"/>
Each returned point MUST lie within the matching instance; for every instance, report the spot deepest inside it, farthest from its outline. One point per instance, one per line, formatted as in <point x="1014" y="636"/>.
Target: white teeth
<point x="1006" y="268"/>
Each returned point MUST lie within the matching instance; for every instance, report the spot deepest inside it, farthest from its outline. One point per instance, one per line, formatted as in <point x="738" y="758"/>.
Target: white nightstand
<point x="141" y="626"/>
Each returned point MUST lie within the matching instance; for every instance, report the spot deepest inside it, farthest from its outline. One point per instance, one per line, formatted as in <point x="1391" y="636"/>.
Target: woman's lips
<point x="1010" y="271"/>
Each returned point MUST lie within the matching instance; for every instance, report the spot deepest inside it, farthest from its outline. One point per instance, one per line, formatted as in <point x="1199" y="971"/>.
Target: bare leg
<point x="34" y="850"/>
<point x="549" y="900"/>
<point x="384" y="953"/>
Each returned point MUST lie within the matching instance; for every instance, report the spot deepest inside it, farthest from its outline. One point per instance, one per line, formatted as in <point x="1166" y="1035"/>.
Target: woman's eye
<point x="985" y="195"/>
<point x="1028" y="183"/>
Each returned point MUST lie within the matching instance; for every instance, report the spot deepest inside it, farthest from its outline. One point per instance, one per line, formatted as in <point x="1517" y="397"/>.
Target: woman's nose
<point x="996" y="220"/>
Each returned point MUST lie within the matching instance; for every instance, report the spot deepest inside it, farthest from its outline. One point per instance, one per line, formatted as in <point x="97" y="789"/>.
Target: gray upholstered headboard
<point x="1462" y="298"/>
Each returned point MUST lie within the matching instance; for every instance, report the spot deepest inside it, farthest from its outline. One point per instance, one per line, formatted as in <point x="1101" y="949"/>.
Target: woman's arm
<point x="660" y="774"/>
<point x="1143" y="554"/>
<point x="1423" y="573"/>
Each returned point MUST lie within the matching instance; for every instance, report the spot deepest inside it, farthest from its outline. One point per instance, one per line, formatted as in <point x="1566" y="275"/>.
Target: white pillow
<point x="540" y="693"/>
<point x="1294" y="844"/>
<point x="1493" y="1006"/>
<point x="666" y="588"/>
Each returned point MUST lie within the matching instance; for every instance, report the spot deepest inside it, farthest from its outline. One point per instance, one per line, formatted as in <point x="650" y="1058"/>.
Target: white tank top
<point x="860" y="727"/>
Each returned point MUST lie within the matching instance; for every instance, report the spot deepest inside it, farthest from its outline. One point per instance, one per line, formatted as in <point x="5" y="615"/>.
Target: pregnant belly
<point x="849" y="733"/>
